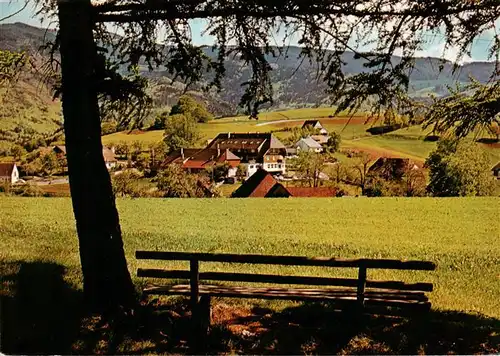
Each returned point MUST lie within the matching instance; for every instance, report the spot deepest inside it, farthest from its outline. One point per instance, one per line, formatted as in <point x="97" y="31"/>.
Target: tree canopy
<point x="467" y="110"/>
<point x="181" y="131"/>
<point x="189" y="107"/>
<point x="458" y="168"/>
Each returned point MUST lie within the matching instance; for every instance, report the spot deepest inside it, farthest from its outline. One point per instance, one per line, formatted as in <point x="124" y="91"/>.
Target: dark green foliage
<point x="459" y="169"/>
<point x="109" y="127"/>
<point x="160" y="120"/>
<point x="218" y="172"/>
<point x="5" y="187"/>
<point x="241" y="171"/>
<point x="309" y="166"/>
<point x="181" y="131"/>
<point x="333" y="143"/>
<point x="358" y="172"/>
<point x="27" y="190"/>
<point x="126" y="184"/>
<point x="11" y="64"/>
<point x="174" y="182"/>
<point x="44" y="164"/>
<point x="462" y="113"/>
<point x="189" y="107"/>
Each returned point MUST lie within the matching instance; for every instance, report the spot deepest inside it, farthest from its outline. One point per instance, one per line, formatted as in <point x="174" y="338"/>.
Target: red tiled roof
<point x="261" y="184"/>
<point x="264" y="186"/>
<point x="6" y="169"/>
<point x="309" y="192"/>
<point x="228" y="156"/>
<point x="207" y="157"/>
<point x="176" y="156"/>
<point x="195" y="164"/>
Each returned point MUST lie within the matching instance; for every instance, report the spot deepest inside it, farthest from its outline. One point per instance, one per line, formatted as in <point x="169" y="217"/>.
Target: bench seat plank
<point x="277" y="279"/>
<point x="387" y="298"/>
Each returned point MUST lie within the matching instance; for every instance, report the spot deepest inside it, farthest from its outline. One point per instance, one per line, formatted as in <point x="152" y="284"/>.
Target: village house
<point x="308" y="144"/>
<point x="391" y="168"/>
<point x="9" y="172"/>
<point x="255" y="150"/>
<point x="321" y="139"/>
<point x="108" y="154"/>
<point x="263" y="185"/>
<point x="196" y="160"/>
<point x="208" y="157"/>
<point x="315" y="124"/>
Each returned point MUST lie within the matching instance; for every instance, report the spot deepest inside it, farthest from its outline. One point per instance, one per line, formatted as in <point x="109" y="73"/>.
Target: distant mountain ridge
<point x="293" y="87"/>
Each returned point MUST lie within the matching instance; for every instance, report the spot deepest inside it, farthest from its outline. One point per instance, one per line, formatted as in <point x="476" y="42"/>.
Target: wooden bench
<point x="359" y="292"/>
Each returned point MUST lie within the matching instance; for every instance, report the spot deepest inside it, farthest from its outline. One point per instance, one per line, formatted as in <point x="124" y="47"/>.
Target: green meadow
<point x="461" y="235"/>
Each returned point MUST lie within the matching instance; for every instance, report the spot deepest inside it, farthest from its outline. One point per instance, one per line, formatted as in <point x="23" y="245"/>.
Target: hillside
<point x="28" y="108"/>
<point x="293" y="87"/>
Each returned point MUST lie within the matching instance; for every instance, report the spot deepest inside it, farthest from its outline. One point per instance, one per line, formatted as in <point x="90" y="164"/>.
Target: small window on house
<point x="251" y="166"/>
<point x="279" y="165"/>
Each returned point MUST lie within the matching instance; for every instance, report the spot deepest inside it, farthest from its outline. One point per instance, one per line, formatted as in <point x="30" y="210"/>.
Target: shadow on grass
<point x="307" y="328"/>
<point x="41" y="314"/>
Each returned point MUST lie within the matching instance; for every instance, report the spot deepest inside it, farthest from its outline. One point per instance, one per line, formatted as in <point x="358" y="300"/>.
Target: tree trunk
<point x="106" y="280"/>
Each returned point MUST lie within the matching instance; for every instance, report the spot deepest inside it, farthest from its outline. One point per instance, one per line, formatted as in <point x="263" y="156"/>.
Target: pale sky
<point x="433" y="48"/>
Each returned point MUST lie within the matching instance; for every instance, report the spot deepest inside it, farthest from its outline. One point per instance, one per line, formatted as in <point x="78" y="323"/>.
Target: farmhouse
<point x="195" y="160"/>
<point x="261" y="185"/>
<point x="496" y="170"/>
<point x="321" y="139"/>
<point x="206" y="158"/>
<point x="315" y="124"/>
<point x="391" y="168"/>
<point x="308" y="144"/>
<point x="9" y="172"/>
<point x="179" y="156"/>
<point x="108" y="154"/>
<point x="255" y="150"/>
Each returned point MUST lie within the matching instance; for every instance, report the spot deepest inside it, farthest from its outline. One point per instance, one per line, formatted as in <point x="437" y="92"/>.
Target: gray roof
<point x="275" y="143"/>
<point x="309" y="141"/>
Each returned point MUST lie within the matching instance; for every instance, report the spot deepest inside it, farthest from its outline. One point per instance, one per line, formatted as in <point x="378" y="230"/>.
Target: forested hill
<point x="293" y="87"/>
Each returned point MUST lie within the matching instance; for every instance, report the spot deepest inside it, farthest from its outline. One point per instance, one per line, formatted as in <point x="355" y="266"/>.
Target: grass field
<point x="41" y="299"/>
<point x="460" y="235"/>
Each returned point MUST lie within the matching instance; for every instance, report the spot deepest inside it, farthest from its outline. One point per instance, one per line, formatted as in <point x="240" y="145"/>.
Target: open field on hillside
<point x="461" y="235"/>
<point x="406" y="142"/>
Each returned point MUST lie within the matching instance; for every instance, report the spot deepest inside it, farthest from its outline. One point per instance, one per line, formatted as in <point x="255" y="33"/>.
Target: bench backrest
<point x="360" y="283"/>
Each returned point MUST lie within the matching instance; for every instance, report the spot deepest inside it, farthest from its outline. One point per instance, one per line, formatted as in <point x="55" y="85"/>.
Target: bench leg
<point x="205" y="313"/>
<point x="201" y="318"/>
